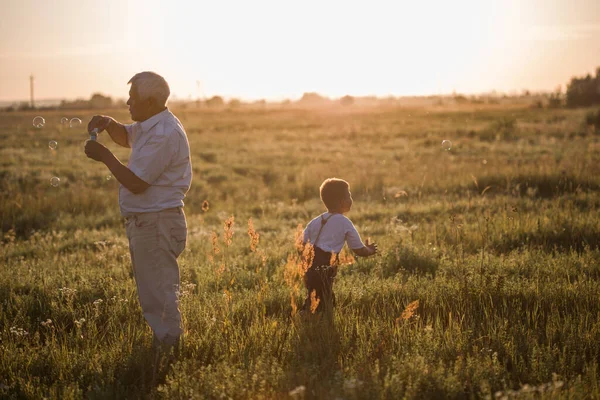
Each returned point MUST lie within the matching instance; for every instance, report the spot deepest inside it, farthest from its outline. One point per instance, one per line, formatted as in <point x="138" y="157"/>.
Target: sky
<point x="277" y="49"/>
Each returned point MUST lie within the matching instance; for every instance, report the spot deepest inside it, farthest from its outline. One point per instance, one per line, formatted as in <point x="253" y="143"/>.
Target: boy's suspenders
<point x="319" y="253"/>
<point x="323" y="222"/>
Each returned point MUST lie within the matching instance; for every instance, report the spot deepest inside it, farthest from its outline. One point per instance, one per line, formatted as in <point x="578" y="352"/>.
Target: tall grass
<point x="486" y="286"/>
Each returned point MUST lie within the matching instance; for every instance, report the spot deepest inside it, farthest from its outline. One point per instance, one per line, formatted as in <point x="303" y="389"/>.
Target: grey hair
<point x="150" y="84"/>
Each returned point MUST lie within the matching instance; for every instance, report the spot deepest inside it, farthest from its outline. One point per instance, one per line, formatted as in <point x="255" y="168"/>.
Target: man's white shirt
<point x="160" y="156"/>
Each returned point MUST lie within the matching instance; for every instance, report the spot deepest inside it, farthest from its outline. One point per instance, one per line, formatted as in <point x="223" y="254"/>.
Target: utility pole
<point x="197" y="93"/>
<point x="31" y="79"/>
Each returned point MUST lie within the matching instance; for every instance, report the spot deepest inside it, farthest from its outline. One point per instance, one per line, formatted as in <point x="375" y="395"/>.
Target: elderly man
<point x="153" y="185"/>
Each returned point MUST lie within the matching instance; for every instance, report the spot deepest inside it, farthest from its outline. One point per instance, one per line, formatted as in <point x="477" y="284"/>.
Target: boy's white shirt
<point x="337" y="231"/>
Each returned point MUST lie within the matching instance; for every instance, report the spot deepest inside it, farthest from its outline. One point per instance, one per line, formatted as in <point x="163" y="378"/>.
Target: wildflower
<point x="184" y="289"/>
<point x="401" y="193"/>
<point x="299" y="238"/>
<point x="293" y="303"/>
<point x="219" y="271"/>
<point x="228" y="230"/>
<point x="187" y="288"/>
<point x="18" y="331"/>
<point x="352" y="384"/>
<point x="10" y="236"/>
<point x="79" y="322"/>
<point x="263" y="257"/>
<point x="215" y="244"/>
<point x="298" y="392"/>
<point x="205" y="206"/>
<point x="308" y="254"/>
<point x="47" y="323"/>
<point x="254" y="236"/>
<point x="410" y="310"/>
<point x="314" y="301"/>
<point x="227" y="296"/>
<point x="67" y="291"/>
<point x="97" y="302"/>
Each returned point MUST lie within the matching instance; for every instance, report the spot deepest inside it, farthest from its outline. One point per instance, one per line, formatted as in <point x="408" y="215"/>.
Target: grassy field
<point x="487" y="285"/>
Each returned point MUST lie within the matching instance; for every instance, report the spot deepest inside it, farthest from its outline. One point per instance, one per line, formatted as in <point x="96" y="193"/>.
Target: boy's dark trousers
<point x="319" y="278"/>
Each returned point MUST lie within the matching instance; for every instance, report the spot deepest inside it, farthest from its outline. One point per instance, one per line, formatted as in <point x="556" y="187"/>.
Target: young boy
<point x="327" y="233"/>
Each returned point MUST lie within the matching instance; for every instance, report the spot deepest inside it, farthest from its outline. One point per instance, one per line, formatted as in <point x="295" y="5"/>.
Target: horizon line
<point x="491" y="93"/>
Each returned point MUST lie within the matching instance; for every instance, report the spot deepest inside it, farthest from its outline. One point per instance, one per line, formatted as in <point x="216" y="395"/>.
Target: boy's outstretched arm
<point x="369" y="249"/>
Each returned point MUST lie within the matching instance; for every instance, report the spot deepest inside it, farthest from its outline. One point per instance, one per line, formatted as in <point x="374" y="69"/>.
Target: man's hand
<point x="99" y="122"/>
<point x="95" y="150"/>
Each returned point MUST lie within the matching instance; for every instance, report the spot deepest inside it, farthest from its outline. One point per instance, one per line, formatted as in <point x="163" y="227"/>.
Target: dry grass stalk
<point x="205" y="206"/>
<point x="410" y="310"/>
<point x="254" y="236"/>
<point x="314" y="301"/>
<point x="228" y="231"/>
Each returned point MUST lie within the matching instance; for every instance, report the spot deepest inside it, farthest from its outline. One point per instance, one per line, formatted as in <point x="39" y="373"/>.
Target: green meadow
<point x="487" y="284"/>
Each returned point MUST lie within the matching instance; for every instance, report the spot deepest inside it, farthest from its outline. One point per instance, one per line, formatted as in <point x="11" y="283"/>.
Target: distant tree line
<point x="584" y="92"/>
<point x="96" y="101"/>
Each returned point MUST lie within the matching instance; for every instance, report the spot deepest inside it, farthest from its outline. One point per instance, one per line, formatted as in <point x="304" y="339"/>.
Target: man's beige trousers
<point x="155" y="241"/>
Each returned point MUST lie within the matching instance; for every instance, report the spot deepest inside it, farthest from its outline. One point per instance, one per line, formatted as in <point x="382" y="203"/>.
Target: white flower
<point x="352" y="384"/>
<point x="18" y="331"/>
<point x="67" y="291"/>
<point x="298" y="393"/>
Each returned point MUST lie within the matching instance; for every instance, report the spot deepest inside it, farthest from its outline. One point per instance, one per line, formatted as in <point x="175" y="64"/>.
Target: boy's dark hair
<point x="333" y="190"/>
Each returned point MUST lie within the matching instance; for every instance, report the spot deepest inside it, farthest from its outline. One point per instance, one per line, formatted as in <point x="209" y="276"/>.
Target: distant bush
<point x="460" y="99"/>
<point x="96" y="101"/>
<point x="593" y="119"/>
<point x="555" y="100"/>
<point x="312" y="99"/>
<point x="233" y="103"/>
<point x="215" y="101"/>
<point x="584" y="92"/>
<point x="99" y="101"/>
<point x="347" y="100"/>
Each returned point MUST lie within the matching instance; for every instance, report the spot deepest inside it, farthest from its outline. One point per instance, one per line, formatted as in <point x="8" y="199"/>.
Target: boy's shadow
<point x="317" y="349"/>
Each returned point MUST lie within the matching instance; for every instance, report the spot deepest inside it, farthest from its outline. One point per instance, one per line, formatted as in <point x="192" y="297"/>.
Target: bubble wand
<point x="94" y="134"/>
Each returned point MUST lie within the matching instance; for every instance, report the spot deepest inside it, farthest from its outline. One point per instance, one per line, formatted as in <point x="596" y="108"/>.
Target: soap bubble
<point x="108" y="177"/>
<point x="484" y="162"/>
<point x="446" y="145"/>
<point x="55" y="181"/>
<point x="39" y="122"/>
<point x="64" y="120"/>
<point x="53" y="144"/>
<point x="74" y="123"/>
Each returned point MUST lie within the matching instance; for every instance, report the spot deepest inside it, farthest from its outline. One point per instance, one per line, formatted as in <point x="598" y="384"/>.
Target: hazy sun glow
<point x="275" y="49"/>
